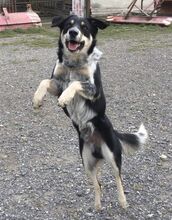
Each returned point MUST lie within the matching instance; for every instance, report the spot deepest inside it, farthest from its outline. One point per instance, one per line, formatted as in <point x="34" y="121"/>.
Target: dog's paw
<point x="98" y="207"/>
<point x="37" y="102"/>
<point x="63" y="101"/>
<point x="65" y="98"/>
<point x="123" y="203"/>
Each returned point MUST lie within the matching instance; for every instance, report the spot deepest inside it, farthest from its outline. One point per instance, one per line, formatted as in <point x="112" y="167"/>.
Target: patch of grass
<point x="46" y="37"/>
<point x="132" y="31"/>
<point x="14" y="43"/>
<point x="45" y="31"/>
<point x="113" y="31"/>
<point x="6" y="33"/>
<point x="42" y="42"/>
<point x="40" y="39"/>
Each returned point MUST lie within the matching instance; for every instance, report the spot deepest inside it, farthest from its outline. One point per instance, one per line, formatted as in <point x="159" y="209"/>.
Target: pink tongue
<point x="73" y="46"/>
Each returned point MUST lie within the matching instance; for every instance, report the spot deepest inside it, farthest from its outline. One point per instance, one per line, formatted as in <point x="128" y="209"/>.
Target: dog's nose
<point x="73" y="33"/>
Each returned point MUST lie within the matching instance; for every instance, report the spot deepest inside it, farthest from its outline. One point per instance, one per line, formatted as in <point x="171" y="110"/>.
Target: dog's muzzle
<point x="73" y="42"/>
<point x="73" y="34"/>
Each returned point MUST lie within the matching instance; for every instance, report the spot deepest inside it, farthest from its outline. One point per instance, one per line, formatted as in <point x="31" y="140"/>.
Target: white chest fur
<point x="78" y="110"/>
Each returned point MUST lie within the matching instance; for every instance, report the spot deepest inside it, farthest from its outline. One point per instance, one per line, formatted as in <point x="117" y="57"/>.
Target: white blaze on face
<point x="63" y="39"/>
<point x="87" y="43"/>
<point x="77" y="31"/>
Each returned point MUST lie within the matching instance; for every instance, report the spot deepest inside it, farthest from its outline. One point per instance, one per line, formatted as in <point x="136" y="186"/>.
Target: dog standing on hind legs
<point x="76" y="81"/>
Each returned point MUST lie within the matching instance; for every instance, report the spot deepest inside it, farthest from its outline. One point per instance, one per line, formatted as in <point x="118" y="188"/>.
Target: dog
<point x="76" y="81"/>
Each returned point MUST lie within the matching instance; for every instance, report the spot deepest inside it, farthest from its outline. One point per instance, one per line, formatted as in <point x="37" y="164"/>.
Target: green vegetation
<point x="46" y="37"/>
<point x="144" y="36"/>
<point x="45" y="31"/>
<point x="130" y="31"/>
<point x="32" y="42"/>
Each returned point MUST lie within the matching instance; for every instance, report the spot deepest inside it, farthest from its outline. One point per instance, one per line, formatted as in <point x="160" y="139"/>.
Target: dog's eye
<point x="84" y="27"/>
<point x="69" y="25"/>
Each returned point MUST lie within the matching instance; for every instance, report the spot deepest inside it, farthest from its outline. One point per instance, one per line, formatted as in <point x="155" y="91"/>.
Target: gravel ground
<point x="42" y="176"/>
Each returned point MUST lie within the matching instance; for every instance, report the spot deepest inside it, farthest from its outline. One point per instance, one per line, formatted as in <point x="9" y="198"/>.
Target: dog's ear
<point x="98" y="23"/>
<point x="57" y="21"/>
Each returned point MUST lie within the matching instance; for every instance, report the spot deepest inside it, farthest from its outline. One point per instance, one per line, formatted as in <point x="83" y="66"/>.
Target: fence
<point x="9" y="4"/>
<point x="46" y="7"/>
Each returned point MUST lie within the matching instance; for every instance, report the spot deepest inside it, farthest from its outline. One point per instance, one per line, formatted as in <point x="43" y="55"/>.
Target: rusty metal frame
<point x="148" y="17"/>
<point x="156" y="3"/>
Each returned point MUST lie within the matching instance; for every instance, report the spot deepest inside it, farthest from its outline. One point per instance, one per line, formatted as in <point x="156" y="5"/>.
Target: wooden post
<point x="87" y="8"/>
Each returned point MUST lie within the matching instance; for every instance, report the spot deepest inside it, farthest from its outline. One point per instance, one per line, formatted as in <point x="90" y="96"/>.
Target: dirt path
<point x="41" y="173"/>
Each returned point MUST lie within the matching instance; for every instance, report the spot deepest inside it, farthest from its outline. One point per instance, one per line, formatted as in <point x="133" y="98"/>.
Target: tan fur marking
<point x="121" y="195"/>
<point x="108" y="155"/>
<point x="45" y="85"/>
<point x="40" y="93"/>
<point x="52" y="88"/>
<point x="97" y="190"/>
<point x="72" y="21"/>
<point x="59" y="70"/>
<point x="85" y="71"/>
<point x="69" y="93"/>
<point x="92" y="173"/>
<point x="82" y="23"/>
<point x="88" y="42"/>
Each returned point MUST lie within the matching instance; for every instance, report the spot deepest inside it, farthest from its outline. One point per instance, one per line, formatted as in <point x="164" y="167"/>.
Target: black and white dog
<point x="76" y="80"/>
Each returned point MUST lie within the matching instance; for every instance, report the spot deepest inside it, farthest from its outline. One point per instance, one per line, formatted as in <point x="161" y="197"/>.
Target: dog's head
<point x="77" y="35"/>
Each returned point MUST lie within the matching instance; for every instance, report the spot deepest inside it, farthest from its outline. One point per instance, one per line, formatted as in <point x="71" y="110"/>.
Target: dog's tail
<point x="132" y="142"/>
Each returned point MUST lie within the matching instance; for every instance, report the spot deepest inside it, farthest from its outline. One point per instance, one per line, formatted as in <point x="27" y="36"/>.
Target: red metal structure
<point x="16" y="20"/>
<point x="149" y="15"/>
<point x="158" y="20"/>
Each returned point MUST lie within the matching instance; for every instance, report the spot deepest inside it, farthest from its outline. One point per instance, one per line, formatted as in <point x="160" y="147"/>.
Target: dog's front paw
<point x="123" y="203"/>
<point x="64" y="100"/>
<point x="98" y="207"/>
<point x="37" y="102"/>
<point x="66" y="97"/>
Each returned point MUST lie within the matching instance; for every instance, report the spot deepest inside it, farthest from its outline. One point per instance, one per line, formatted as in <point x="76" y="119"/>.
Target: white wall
<point x="111" y="5"/>
<point x="118" y="3"/>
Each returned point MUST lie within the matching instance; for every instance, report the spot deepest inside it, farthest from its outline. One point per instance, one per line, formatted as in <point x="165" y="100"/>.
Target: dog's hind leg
<point x="91" y="165"/>
<point x="111" y="151"/>
<point x="116" y="165"/>
<point x="49" y="85"/>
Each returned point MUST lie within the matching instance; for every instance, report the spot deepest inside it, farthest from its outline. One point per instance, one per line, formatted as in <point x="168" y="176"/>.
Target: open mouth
<point x="74" y="46"/>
